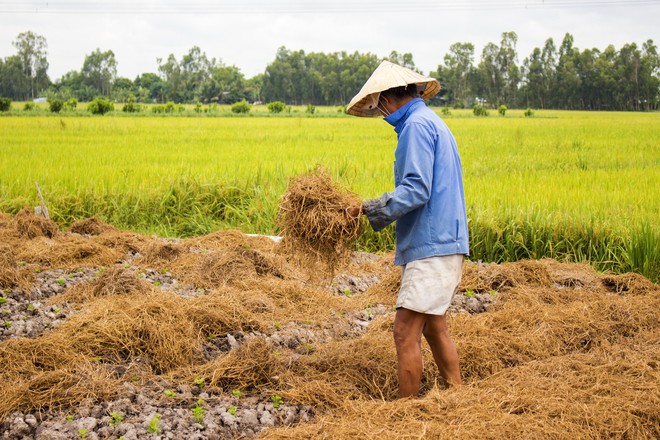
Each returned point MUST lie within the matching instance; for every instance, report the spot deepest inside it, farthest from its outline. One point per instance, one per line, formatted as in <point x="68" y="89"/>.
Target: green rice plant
<point x="199" y="411"/>
<point x="574" y="186"/>
<point x="116" y="418"/>
<point x="276" y="401"/>
<point x="643" y="251"/>
<point x="154" y="425"/>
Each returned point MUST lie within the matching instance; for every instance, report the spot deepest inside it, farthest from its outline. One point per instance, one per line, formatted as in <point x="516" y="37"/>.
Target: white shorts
<point x="428" y="285"/>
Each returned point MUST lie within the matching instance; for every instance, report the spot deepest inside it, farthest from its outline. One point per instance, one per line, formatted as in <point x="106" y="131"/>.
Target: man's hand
<point x="354" y="211"/>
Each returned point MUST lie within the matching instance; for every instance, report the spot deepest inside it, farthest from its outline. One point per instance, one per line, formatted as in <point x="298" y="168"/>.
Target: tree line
<point x="552" y="77"/>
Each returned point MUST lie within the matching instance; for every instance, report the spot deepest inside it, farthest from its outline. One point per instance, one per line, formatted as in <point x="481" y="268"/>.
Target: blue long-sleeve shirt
<point x="428" y="202"/>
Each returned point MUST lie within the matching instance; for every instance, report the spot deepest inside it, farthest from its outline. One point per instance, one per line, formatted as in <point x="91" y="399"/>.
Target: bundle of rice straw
<point x="32" y="226"/>
<point x="313" y="217"/>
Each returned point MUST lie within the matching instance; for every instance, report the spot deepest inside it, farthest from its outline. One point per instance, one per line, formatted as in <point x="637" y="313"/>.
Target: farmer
<point x="428" y="206"/>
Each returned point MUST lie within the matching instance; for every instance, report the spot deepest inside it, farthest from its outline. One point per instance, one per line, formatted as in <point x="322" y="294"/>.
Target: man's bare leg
<point x="408" y="327"/>
<point x="444" y="351"/>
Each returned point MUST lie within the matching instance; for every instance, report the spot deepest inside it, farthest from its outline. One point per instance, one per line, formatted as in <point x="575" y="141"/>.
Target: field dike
<point x="110" y="334"/>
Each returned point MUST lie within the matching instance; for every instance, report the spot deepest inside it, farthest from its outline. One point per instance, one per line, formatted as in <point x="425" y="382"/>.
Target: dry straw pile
<point x="314" y="220"/>
<point x="564" y="353"/>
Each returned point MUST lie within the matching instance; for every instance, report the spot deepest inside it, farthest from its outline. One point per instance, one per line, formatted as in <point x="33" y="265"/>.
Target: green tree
<point x="100" y="106"/>
<point x="170" y="72"/>
<point x="402" y="59"/>
<point x="32" y="52"/>
<point x="122" y="88"/>
<point x="226" y="85"/>
<point x="99" y="71"/>
<point x="649" y="82"/>
<point x="55" y="105"/>
<point x="567" y="80"/>
<point x="532" y="73"/>
<point x="507" y="65"/>
<point x="195" y="72"/>
<point x="149" y="87"/>
<point x="456" y="72"/>
<point x="5" y="104"/>
<point x="276" y="107"/>
<point x="538" y="75"/>
<point x="316" y="78"/>
<point x="278" y="78"/>
<point x="490" y="74"/>
<point x="190" y="79"/>
<point x="13" y="82"/>
<point x="253" y="88"/>
<point x="241" y="107"/>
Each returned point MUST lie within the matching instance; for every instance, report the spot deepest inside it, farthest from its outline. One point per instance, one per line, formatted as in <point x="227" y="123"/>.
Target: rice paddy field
<point x="142" y="313"/>
<point x="575" y="186"/>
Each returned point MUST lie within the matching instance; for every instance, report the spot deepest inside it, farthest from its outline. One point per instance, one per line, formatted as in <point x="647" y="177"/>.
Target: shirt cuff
<point x="374" y="209"/>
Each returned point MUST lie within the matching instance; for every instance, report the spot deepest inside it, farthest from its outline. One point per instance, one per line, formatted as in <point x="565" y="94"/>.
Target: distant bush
<point x="55" y="105"/>
<point x="100" y="106"/>
<point x="198" y="107"/>
<point x="310" y="109"/>
<point x="70" y="104"/>
<point x="445" y="111"/>
<point x="169" y="107"/>
<point x="130" y="106"/>
<point x="480" y="110"/>
<point x="158" y="109"/>
<point x="529" y="113"/>
<point x="341" y="109"/>
<point x="276" y="107"/>
<point x="180" y="108"/>
<point x="5" y="104"/>
<point x="502" y="110"/>
<point x="241" y="107"/>
<point x="29" y="106"/>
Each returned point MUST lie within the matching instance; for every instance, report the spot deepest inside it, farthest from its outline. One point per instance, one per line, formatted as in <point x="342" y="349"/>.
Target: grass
<point x="569" y="185"/>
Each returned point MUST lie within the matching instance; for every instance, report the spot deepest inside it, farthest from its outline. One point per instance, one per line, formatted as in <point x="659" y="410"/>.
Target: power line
<point x="296" y="7"/>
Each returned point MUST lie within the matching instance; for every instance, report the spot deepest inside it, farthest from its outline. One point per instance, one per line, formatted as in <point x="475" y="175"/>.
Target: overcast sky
<point x="247" y="33"/>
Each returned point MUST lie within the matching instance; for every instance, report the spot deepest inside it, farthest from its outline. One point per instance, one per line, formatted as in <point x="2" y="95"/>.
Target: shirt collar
<point x="402" y="113"/>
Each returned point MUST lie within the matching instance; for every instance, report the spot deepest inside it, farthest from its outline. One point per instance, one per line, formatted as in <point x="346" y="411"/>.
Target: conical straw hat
<point x="387" y="76"/>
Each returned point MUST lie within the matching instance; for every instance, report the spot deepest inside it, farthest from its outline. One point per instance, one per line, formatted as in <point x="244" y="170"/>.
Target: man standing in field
<point x="428" y="206"/>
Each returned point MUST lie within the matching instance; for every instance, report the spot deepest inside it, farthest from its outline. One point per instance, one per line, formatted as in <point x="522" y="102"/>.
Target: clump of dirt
<point x="313" y="217"/>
